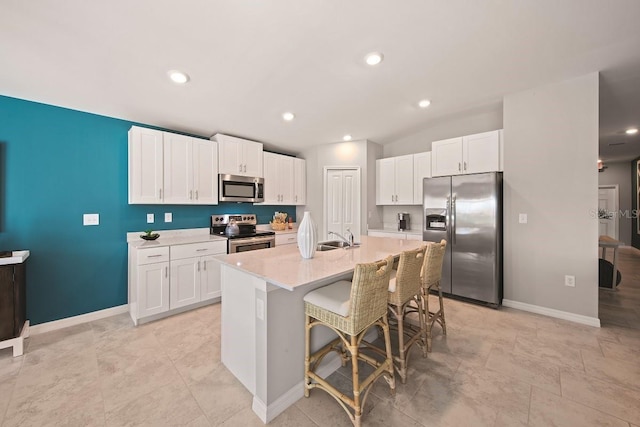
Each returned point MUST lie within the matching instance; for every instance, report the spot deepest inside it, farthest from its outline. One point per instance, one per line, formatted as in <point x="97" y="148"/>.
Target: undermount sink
<point x="330" y="245"/>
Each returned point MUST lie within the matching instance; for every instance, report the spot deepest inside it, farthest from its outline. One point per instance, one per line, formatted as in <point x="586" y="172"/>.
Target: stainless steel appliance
<point x="466" y="210"/>
<point x="404" y="221"/>
<point x="240" y="230"/>
<point x="235" y="188"/>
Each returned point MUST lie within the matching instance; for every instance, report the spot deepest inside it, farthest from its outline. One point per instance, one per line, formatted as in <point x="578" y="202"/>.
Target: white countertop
<point x="173" y="237"/>
<point x="17" y="257"/>
<point x="395" y="230"/>
<point x="283" y="265"/>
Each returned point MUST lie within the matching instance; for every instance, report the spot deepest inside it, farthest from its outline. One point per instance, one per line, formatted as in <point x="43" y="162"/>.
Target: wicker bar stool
<point x="431" y="276"/>
<point x="405" y="297"/>
<point x="350" y="309"/>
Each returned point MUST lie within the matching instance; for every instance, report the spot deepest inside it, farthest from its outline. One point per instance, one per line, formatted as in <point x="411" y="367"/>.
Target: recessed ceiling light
<point x="631" y="131"/>
<point x="373" y="58"/>
<point x="178" y="77"/>
<point x="424" y="103"/>
<point x="346" y="138"/>
<point x="288" y="116"/>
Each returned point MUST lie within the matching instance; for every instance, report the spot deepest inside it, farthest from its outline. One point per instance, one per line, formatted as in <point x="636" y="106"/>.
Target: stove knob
<point x="244" y="218"/>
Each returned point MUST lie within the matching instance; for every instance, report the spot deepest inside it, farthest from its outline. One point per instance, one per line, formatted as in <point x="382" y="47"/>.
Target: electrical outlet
<point x="168" y="217"/>
<point x="91" y="219"/>
<point x="522" y="218"/>
<point x="150" y="219"/>
<point x="570" y="281"/>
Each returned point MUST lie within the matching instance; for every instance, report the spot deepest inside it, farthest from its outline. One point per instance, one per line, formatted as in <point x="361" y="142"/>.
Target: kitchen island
<point x="263" y="314"/>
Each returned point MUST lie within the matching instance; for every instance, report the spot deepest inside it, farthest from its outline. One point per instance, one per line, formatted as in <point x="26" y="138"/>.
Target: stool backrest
<point x="408" y="281"/>
<point x="369" y="289"/>
<point x="433" y="259"/>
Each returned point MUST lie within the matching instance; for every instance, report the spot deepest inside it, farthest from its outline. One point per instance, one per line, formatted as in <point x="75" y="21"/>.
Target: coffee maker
<point x="404" y="221"/>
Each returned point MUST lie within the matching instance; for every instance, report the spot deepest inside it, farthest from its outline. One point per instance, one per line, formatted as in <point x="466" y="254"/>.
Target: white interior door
<point x="608" y="211"/>
<point x="342" y="202"/>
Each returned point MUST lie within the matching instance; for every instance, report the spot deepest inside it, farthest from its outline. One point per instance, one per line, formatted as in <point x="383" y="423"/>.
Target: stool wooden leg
<point x="423" y="325"/>
<point x="389" y="361"/>
<point x="307" y="344"/>
<point x="427" y="333"/>
<point x="402" y="361"/>
<point x="353" y="348"/>
<point x="441" y="314"/>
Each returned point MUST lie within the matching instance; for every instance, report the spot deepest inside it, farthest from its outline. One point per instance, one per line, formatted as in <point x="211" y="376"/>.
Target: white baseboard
<point x="551" y="312"/>
<point x="78" y="320"/>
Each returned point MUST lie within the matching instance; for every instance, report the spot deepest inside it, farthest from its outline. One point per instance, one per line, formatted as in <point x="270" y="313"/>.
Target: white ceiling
<point x="250" y="61"/>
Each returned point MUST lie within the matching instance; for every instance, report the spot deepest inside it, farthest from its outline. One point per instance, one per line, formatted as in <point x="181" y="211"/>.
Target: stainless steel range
<point x="240" y="229"/>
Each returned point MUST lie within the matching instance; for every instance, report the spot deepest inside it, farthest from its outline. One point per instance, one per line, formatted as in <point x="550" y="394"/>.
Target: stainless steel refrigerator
<point x="466" y="210"/>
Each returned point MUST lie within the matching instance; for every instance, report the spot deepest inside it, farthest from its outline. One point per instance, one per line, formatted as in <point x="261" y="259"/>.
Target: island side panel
<point x="238" y="330"/>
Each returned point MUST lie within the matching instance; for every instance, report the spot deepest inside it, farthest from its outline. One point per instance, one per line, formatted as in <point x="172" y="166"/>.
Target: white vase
<point x="307" y="236"/>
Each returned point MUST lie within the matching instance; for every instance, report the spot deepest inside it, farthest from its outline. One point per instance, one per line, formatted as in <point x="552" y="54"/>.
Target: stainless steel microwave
<point x="235" y="188"/>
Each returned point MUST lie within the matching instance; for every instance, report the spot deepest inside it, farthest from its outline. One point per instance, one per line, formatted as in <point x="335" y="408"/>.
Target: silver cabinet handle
<point x="196" y="194"/>
<point x="166" y="272"/>
<point x="240" y="168"/>
<point x="160" y="193"/>
<point x="190" y="194"/>
<point x="459" y="167"/>
<point x="204" y="265"/>
<point x="245" y="168"/>
<point x="202" y="249"/>
<point x="198" y="265"/>
<point x="153" y="256"/>
<point x="465" y="165"/>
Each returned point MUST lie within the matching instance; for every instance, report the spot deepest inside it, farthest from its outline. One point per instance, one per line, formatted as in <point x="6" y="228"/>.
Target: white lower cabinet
<point x="170" y="277"/>
<point x="286" y="239"/>
<point x="395" y="235"/>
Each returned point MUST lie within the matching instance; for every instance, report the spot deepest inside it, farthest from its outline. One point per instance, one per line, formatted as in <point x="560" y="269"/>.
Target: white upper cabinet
<point x="394" y="180"/>
<point x="237" y="156"/>
<point x="172" y="169"/>
<point x="299" y="182"/>
<point x="145" y="166"/>
<point x="481" y="152"/>
<point x="421" y="170"/>
<point x="468" y="154"/>
<point x="281" y="180"/>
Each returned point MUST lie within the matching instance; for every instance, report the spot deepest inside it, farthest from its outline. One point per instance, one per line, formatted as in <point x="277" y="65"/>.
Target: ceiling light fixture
<point x="346" y="138"/>
<point x="288" y="116"/>
<point x="178" y="77"/>
<point x="631" y="131"/>
<point x="424" y="103"/>
<point x="373" y="58"/>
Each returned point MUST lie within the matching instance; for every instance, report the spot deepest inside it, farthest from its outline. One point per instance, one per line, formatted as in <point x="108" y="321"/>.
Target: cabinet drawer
<point x="286" y="239"/>
<point x="198" y="249"/>
<point x="152" y="255"/>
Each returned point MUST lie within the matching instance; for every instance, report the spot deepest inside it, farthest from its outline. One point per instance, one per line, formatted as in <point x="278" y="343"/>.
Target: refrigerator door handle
<point x="453" y="220"/>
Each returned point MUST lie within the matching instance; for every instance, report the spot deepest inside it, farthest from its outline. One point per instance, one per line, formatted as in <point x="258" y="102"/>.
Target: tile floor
<point x="495" y="368"/>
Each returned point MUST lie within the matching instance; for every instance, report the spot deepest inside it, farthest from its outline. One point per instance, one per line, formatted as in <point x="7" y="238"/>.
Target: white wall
<point x="620" y="173"/>
<point x="345" y="154"/>
<point x="465" y="123"/>
<point x="550" y="153"/>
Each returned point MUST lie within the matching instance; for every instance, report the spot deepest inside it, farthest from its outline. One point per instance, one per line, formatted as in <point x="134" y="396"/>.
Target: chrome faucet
<point x="349" y="242"/>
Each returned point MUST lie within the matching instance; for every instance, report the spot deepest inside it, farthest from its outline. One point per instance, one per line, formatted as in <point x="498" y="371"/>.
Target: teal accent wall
<point x="57" y="164"/>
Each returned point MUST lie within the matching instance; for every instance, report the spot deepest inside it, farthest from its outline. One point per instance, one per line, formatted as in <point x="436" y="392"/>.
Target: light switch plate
<point x="168" y="217"/>
<point x="91" y="219"/>
<point x="150" y="219"/>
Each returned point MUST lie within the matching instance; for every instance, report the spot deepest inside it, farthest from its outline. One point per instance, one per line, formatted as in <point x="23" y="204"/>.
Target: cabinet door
<point x="271" y="195"/>
<point x="285" y="179"/>
<point x="446" y="157"/>
<point x="252" y="159"/>
<point x="153" y="289"/>
<point x="404" y="180"/>
<point x="145" y="166"/>
<point x="421" y="170"/>
<point x="185" y="282"/>
<point x="481" y="152"/>
<point x="178" y="169"/>
<point x="385" y="181"/>
<point x="205" y="172"/>
<point x="228" y="155"/>
<point x="209" y="278"/>
<point x="286" y="239"/>
<point x="299" y="182"/>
